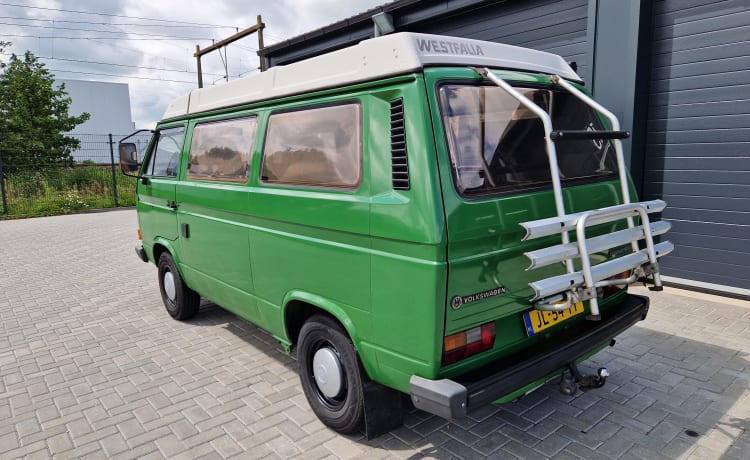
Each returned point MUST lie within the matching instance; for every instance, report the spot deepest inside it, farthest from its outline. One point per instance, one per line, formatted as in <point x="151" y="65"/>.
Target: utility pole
<point x="258" y="27"/>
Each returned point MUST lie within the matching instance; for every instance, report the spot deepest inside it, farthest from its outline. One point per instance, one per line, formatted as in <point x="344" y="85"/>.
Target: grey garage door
<point x="698" y="143"/>
<point x="556" y="26"/>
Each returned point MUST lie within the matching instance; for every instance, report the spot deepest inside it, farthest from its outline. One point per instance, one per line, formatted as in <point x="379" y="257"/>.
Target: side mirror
<point x="129" y="158"/>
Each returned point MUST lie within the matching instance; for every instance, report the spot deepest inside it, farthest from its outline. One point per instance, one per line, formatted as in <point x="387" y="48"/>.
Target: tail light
<point x="140" y="237"/>
<point x="468" y="343"/>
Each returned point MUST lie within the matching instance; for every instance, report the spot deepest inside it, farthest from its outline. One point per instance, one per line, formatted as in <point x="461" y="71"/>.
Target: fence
<point x="92" y="180"/>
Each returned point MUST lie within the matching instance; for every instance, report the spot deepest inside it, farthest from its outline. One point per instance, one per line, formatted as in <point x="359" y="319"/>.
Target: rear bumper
<point x="141" y="253"/>
<point x="455" y="398"/>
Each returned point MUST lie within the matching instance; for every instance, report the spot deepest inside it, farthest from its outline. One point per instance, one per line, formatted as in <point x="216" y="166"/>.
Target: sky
<point x="150" y="44"/>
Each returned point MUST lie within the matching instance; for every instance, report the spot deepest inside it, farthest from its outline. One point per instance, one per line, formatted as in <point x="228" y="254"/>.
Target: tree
<point x="34" y="116"/>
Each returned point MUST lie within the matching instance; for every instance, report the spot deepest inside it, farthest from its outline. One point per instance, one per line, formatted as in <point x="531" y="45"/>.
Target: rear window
<point x="497" y="145"/>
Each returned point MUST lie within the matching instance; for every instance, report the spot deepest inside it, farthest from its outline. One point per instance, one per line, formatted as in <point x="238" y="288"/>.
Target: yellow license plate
<point x="539" y="320"/>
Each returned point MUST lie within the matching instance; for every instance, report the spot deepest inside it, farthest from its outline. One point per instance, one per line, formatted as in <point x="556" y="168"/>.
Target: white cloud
<point x="141" y="48"/>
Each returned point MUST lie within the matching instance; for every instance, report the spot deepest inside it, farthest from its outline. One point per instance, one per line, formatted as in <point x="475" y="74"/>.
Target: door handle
<point x="172" y="204"/>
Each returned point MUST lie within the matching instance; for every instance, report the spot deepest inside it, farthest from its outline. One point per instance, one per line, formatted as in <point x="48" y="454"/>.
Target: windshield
<point x="497" y="145"/>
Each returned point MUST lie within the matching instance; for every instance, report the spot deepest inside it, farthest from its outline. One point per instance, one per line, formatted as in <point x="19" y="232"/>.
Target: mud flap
<point x="383" y="410"/>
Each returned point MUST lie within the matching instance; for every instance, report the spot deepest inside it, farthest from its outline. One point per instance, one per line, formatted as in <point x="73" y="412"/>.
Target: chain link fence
<point x="91" y="180"/>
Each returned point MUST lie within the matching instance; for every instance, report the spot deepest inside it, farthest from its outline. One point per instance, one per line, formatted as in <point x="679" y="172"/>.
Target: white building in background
<point x="109" y="106"/>
<point x="108" y="103"/>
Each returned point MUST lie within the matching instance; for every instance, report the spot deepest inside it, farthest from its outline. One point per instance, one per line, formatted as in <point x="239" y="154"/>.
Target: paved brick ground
<point x="91" y="366"/>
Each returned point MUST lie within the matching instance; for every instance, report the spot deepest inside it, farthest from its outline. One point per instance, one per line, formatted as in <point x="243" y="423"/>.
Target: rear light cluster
<point x="468" y="343"/>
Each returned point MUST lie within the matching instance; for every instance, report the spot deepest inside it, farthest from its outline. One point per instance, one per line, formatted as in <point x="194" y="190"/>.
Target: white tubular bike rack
<point x="561" y="292"/>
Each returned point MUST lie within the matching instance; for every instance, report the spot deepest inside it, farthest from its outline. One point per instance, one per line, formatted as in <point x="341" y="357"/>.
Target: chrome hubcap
<point x="327" y="372"/>
<point x="169" y="287"/>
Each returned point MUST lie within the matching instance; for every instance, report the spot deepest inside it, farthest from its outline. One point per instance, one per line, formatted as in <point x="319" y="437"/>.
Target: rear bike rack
<point x="561" y="292"/>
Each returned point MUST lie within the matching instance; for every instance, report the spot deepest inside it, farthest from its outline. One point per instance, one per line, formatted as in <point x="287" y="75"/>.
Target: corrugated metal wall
<point x="557" y="26"/>
<point x="698" y="143"/>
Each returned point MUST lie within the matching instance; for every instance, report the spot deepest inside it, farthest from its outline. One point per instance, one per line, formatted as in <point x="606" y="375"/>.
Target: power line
<point x="244" y="47"/>
<point x="100" y="31"/>
<point x="121" y="76"/>
<point x="276" y="37"/>
<point x="103" y="38"/>
<point x="126" y="65"/>
<point x="121" y="65"/>
<point x="139" y="51"/>
<point x="117" y="23"/>
<point x="110" y="15"/>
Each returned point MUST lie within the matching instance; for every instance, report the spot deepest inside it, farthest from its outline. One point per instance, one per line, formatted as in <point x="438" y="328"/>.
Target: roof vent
<point x="399" y="163"/>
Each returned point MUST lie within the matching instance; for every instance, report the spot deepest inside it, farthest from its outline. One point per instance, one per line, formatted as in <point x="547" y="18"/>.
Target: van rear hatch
<point x="500" y="178"/>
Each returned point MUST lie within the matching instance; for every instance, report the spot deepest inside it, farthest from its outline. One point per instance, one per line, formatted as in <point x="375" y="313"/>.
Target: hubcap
<point x="327" y="371"/>
<point x="169" y="287"/>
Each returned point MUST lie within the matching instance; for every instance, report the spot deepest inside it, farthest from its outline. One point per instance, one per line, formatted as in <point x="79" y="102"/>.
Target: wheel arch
<point x="161" y="246"/>
<point x="300" y="306"/>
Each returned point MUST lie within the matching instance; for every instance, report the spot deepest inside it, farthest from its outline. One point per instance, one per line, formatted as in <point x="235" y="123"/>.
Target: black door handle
<point x="172" y="204"/>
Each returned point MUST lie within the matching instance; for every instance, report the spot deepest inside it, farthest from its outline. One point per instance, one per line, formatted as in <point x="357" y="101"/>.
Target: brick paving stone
<point x="616" y="446"/>
<point x="522" y="423"/>
<point x="114" y="444"/>
<point x="430" y="425"/>
<point x="260" y="438"/>
<point x="552" y="445"/>
<point x="59" y="443"/>
<point x="544" y="428"/>
<point x="8" y="442"/>
<point x="461" y="450"/>
<point x="580" y="437"/>
<point x="343" y="447"/>
<point x="603" y="430"/>
<point x="91" y="366"/>
<point x="147" y="437"/>
<point x="226" y="446"/>
<point x="647" y="454"/>
<point x="486" y="427"/>
<point x="169" y="445"/>
<point x="491" y="443"/>
<point x="523" y="437"/>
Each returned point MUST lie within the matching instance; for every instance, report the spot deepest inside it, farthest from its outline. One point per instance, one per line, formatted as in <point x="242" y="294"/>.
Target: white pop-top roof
<point x="380" y="57"/>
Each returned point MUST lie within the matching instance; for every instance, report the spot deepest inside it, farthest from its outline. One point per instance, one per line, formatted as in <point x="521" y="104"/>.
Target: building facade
<point x="107" y="102"/>
<point x="109" y="106"/>
<point x="676" y="73"/>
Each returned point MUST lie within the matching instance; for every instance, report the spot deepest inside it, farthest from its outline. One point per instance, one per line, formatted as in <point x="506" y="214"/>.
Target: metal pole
<point x="551" y="150"/>
<point x="114" y="175"/>
<point x="261" y="26"/>
<point x="198" y="55"/>
<point x="2" y="187"/>
<point x="614" y="126"/>
<point x="222" y="43"/>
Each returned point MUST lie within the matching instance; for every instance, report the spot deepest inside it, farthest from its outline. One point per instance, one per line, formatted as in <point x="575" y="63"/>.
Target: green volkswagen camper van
<point x="419" y="215"/>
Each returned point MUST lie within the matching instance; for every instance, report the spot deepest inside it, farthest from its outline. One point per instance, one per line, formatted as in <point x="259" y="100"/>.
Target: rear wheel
<point x="181" y="301"/>
<point x="331" y="376"/>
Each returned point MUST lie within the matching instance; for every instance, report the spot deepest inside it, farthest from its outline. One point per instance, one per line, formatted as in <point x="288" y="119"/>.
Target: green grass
<point x="65" y="190"/>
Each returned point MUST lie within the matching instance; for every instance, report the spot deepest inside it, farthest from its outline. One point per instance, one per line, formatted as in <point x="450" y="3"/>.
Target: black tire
<point x="345" y="411"/>
<point x="181" y="302"/>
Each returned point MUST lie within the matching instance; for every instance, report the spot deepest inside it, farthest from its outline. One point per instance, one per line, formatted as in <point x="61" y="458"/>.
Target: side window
<point x="318" y="147"/>
<point x="165" y="159"/>
<point x="220" y="151"/>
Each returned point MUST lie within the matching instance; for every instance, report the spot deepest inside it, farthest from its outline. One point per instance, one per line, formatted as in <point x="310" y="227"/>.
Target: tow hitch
<point x="570" y="384"/>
